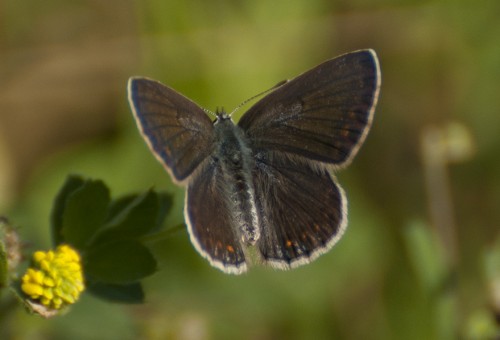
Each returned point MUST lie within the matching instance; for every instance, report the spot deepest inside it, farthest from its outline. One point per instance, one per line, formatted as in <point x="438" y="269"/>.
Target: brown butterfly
<point x="263" y="190"/>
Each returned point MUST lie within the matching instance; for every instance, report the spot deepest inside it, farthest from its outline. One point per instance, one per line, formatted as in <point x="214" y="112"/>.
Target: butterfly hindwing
<point x="322" y="115"/>
<point x="210" y="221"/>
<point x="177" y="130"/>
<point x="303" y="210"/>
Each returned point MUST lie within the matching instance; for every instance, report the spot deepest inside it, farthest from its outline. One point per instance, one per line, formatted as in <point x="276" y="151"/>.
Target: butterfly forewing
<point x="322" y="115"/>
<point x="177" y="130"/>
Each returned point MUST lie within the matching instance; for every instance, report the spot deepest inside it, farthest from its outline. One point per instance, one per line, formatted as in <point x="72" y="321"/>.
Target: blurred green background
<point x="420" y="258"/>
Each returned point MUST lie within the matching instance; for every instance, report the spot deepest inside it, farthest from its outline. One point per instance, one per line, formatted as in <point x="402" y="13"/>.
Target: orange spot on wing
<point x="230" y="249"/>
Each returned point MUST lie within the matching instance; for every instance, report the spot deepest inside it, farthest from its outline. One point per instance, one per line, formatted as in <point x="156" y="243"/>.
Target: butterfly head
<point x="220" y="115"/>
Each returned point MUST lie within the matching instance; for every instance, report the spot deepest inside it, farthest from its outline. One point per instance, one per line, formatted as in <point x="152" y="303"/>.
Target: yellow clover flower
<point x="55" y="278"/>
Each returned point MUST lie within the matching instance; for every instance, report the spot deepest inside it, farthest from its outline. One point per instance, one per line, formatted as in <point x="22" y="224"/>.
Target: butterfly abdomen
<point x="236" y="163"/>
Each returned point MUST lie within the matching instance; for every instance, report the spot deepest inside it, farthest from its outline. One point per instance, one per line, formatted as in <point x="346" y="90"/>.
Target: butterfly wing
<point x="181" y="136"/>
<point x="209" y="221"/>
<point x="298" y="134"/>
<point x="303" y="210"/>
<point x="322" y="115"/>
<point x="177" y="130"/>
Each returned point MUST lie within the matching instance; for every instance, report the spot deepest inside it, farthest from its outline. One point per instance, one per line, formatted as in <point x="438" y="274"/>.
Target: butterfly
<point x="264" y="190"/>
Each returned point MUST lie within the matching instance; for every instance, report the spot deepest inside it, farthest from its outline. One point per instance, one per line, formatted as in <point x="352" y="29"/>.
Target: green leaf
<point x="118" y="205"/>
<point x="128" y="293"/>
<point x="84" y="214"/>
<point x="119" y="262"/>
<point x="138" y="218"/>
<point x="165" y="201"/>
<point x="72" y="183"/>
<point x="425" y="255"/>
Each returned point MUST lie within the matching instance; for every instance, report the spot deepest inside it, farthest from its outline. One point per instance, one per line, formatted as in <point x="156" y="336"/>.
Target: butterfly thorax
<point x="235" y="162"/>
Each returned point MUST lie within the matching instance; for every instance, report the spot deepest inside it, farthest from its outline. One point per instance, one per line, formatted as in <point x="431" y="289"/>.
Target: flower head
<point x="55" y="278"/>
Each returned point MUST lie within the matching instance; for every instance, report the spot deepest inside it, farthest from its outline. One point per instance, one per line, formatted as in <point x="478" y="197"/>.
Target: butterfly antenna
<point x="209" y="112"/>
<point x="258" y="95"/>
